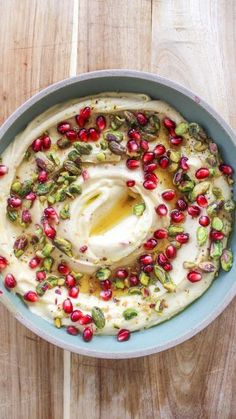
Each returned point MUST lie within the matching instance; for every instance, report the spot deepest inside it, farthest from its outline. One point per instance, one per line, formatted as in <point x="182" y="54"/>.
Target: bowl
<point x="204" y="310"/>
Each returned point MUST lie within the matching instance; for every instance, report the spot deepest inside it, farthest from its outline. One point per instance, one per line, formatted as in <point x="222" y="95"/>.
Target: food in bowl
<point x="115" y="214"/>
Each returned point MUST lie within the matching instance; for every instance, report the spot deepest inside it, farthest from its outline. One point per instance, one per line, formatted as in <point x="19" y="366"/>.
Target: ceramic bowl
<point x="203" y="311"/>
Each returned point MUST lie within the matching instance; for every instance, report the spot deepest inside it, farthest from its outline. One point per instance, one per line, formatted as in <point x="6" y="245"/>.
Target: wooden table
<point x="43" y="41"/>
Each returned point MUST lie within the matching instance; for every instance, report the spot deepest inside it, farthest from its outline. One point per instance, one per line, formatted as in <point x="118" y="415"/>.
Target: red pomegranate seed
<point x="106" y="294"/>
<point x="149" y="167"/>
<point x="3" y="170"/>
<point x="130" y="183"/>
<point x="194" y="276"/>
<point x="133" y="280"/>
<point x="87" y="334"/>
<point x="177" y="216"/>
<point x="49" y="231"/>
<point x="134" y="134"/>
<point x="14" y="202"/>
<point x="176" y="140"/>
<point x="63" y="269"/>
<point x="76" y="315"/>
<point x="85" y="319"/>
<point x="10" y="281"/>
<point x="93" y="134"/>
<point x="71" y="135"/>
<point x="106" y="284"/>
<point x="194" y="210"/>
<point x="150" y="244"/>
<point x="167" y="266"/>
<point x="31" y="196"/>
<point x="80" y="121"/>
<point x="73" y="292"/>
<point x="204" y="220"/>
<point x="3" y="263"/>
<point x="149" y="184"/>
<point x="161" y="210"/>
<point x="159" y="150"/>
<point x="202" y="201"/>
<point x="46" y="142"/>
<point x="122" y="273"/>
<point x="144" y="145"/>
<point x="171" y="251"/>
<point x="83" y="134"/>
<point x="70" y="280"/>
<point x="67" y="306"/>
<point x="148" y="157"/>
<point x="72" y="330"/>
<point x="43" y="176"/>
<point x="37" y="145"/>
<point x="169" y="123"/>
<point x="226" y="169"/>
<point x="83" y="249"/>
<point x="216" y="235"/>
<point x="101" y="122"/>
<point x="148" y="268"/>
<point x="123" y="335"/>
<point x="63" y="127"/>
<point x="161" y="234"/>
<point x="40" y="276"/>
<point x="182" y="238"/>
<point x="168" y="195"/>
<point x="152" y="177"/>
<point x="85" y="175"/>
<point x="202" y="173"/>
<point x="163" y="162"/>
<point x="31" y="296"/>
<point x="51" y="214"/>
<point x="26" y="216"/>
<point x="132" y="146"/>
<point x="183" y="163"/>
<point x="132" y="164"/>
<point x="161" y="259"/>
<point x="142" y="119"/>
<point x="181" y="204"/>
<point x="85" y="113"/>
<point x="34" y="262"/>
<point x="146" y="259"/>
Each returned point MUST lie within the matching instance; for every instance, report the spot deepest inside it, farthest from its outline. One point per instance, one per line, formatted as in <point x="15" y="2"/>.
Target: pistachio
<point x="213" y="148"/>
<point x="196" y="131"/>
<point x="129" y="313"/>
<point x="47" y="263"/>
<point x="74" y="189"/>
<point x="47" y="249"/>
<point x="12" y="215"/>
<point x="174" y="156"/>
<point x="160" y="305"/>
<point x="48" y="283"/>
<point x="173" y="167"/>
<point x="71" y="167"/>
<point x="200" y="189"/>
<point x="44" y="163"/>
<point x="207" y="266"/>
<point x="164" y="278"/>
<point x="98" y="317"/>
<point x="51" y="199"/>
<point x="226" y="260"/>
<point x="83" y="148"/>
<point x="57" y="322"/>
<point x="15" y="187"/>
<point x="144" y="279"/>
<point x="103" y="273"/>
<point x="214" y="207"/>
<point x="189" y="265"/>
<point x="61" y="281"/>
<point x="217" y="192"/>
<point x="216" y="249"/>
<point x="229" y="205"/>
<point x="186" y="186"/>
<point x="119" y="284"/>
<point x="60" y="195"/>
<point x="65" y="212"/>
<point x="26" y="187"/>
<point x="101" y="157"/>
<point x="73" y="155"/>
<point x="217" y="224"/>
<point x="199" y="146"/>
<point x="201" y="235"/>
<point x="27" y="154"/>
<point x="178" y="177"/>
<point x="173" y="230"/>
<point x="130" y="118"/>
<point x="63" y="143"/>
<point x="64" y="245"/>
<point x="51" y="156"/>
<point x="211" y="161"/>
<point x="114" y="136"/>
<point x="20" y="245"/>
<point x="148" y="137"/>
<point x="116" y="148"/>
<point x="134" y="291"/>
<point x="103" y="145"/>
<point x="181" y="129"/>
<point x="43" y="188"/>
<point x="139" y="209"/>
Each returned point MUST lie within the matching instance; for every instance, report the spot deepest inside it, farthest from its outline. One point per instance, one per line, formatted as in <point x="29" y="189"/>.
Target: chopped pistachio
<point x="103" y="273"/>
<point x="186" y="186"/>
<point x="130" y="118"/>
<point x="200" y="188"/>
<point x="53" y="158"/>
<point x="74" y="189"/>
<point x="47" y="249"/>
<point x="217" y="224"/>
<point x="119" y="284"/>
<point x="189" y="265"/>
<point x="16" y="186"/>
<point x="173" y="230"/>
<point x="101" y="157"/>
<point x="130" y="313"/>
<point x="226" y="260"/>
<point x="47" y="263"/>
<point x="57" y="322"/>
<point x="174" y="156"/>
<point x="116" y="148"/>
<point x="139" y="209"/>
<point x="98" y="317"/>
<point x="160" y="305"/>
<point x="65" y="212"/>
<point x="61" y="281"/>
<point x="12" y="215"/>
<point x="64" y="245"/>
<point x="71" y="167"/>
<point x="207" y="266"/>
<point x="229" y="205"/>
<point x="114" y="136"/>
<point x="134" y="291"/>
<point x="63" y="143"/>
<point x="199" y="146"/>
<point x="217" y="192"/>
<point x="73" y="155"/>
<point x="214" y="207"/>
<point x="216" y="249"/>
<point x="26" y="187"/>
<point x="83" y="148"/>
<point x="20" y="245"/>
<point x="202" y="235"/>
<point x="144" y="278"/>
<point x="103" y="145"/>
<point x="43" y="188"/>
<point x="182" y="128"/>
<point x="60" y="195"/>
<point x="51" y="199"/>
<point x="164" y="278"/>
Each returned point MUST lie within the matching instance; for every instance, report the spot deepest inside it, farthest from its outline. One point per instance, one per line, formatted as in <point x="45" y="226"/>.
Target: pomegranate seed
<point x="26" y="216"/>
<point x="63" y="269"/>
<point x="226" y="169"/>
<point x="70" y="280"/>
<point x="149" y="184"/>
<point x="73" y="292"/>
<point x="142" y="119"/>
<point x="132" y="164"/>
<point x="144" y="145"/>
<point x="146" y="259"/>
<point x="87" y="334"/>
<point x="182" y="238"/>
<point x="101" y="122"/>
<point x="148" y="157"/>
<point x="67" y="306"/>
<point x="163" y="162"/>
<point x="72" y="330"/>
<point x="148" y="268"/>
<point x="76" y="315"/>
<point x="204" y="220"/>
<point x="130" y="183"/>
<point x="123" y="335"/>
<point x="31" y="296"/>
<point x="169" y="123"/>
<point x="161" y="210"/>
<point x="176" y="140"/>
<point x="194" y="276"/>
<point x="202" y="173"/>
<point x="106" y="284"/>
<point x="181" y="204"/>
<point x="93" y="134"/>
<point x="3" y="263"/>
<point x="10" y="281"/>
<point x="71" y="135"/>
<point x="40" y="276"/>
<point x="31" y="196"/>
<point x="159" y="150"/>
<point x="161" y="259"/>
<point x="46" y="142"/>
<point x="3" y="170"/>
<point x="85" y="113"/>
<point x="80" y="121"/>
<point x="83" y="134"/>
<point x="161" y="234"/>
<point x="133" y="280"/>
<point x="63" y="127"/>
<point x="43" y="176"/>
<point x="168" y="195"/>
<point x="202" y="201"/>
<point x="85" y="175"/>
<point x="85" y="319"/>
<point x="14" y="202"/>
<point x="106" y="294"/>
<point x="216" y="235"/>
<point x="183" y="163"/>
<point x="149" y="167"/>
<point x="134" y="134"/>
<point x="177" y="216"/>
<point x="83" y="249"/>
<point x="150" y="244"/>
<point x="121" y="273"/>
<point x="167" y="266"/>
<point x="152" y="177"/>
<point x="37" y="145"/>
<point x="132" y="146"/>
<point x="194" y="210"/>
<point x="51" y="214"/>
<point x="171" y="251"/>
<point x="49" y="231"/>
<point x="34" y="262"/>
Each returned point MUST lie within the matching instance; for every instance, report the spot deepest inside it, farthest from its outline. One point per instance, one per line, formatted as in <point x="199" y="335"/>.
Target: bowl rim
<point x="133" y="353"/>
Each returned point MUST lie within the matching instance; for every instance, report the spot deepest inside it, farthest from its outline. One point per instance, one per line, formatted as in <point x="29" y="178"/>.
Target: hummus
<point x="114" y="213"/>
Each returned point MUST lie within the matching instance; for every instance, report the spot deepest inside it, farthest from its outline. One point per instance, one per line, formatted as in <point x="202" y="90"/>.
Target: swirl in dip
<point x="115" y="214"/>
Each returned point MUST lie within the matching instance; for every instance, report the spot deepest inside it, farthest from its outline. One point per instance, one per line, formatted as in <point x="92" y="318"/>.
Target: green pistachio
<point x="189" y="265"/>
<point x="63" y="143"/>
<point x="186" y="186"/>
<point x="217" y="224"/>
<point x="129" y="313"/>
<point x="226" y="260"/>
<point x="199" y="146"/>
<point x="196" y="131"/>
<point x="43" y="188"/>
<point x="174" y="156"/>
<point x="207" y="266"/>
<point x="60" y="180"/>
<point x="26" y="187"/>
<point x="51" y="199"/>
<point x="119" y="284"/>
<point x="200" y="189"/>
<point x="160" y="305"/>
<point x="47" y="249"/>
<point x="61" y="281"/>
<point x="217" y="192"/>
<point x="202" y="235"/>
<point x="12" y="215"/>
<point x="114" y="136"/>
<point x="229" y="205"/>
<point x="65" y="212"/>
<point x="214" y="207"/>
<point x="139" y="209"/>
<point x="42" y="287"/>
<point x="16" y="186"/>
<point x="116" y="148"/>
<point x="134" y="291"/>
<point x="60" y="195"/>
<point x="71" y="167"/>
<point x="216" y="249"/>
<point x="83" y="148"/>
<point x="103" y="273"/>
<point x="20" y="245"/>
<point x="173" y="167"/>
<point x="27" y="154"/>
<point x="47" y="263"/>
<point x="174" y="230"/>
<point x="130" y="118"/>
<point x="144" y="279"/>
<point x="51" y="156"/>
<point x="98" y="317"/>
<point x="74" y="190"/>
<point x="182" y="128"/>
<point x="149" y="137"/>
<point x="73" y="155"/>
<point x="57" y="322"/>
<point x="103" y="145"/>
<point x="101" y="157"/>
<point x="64" y="245"/>
<point x="164" y="278"/>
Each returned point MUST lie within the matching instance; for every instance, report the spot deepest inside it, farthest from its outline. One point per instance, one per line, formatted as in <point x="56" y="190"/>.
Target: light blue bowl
<point x="213" y="302"/>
